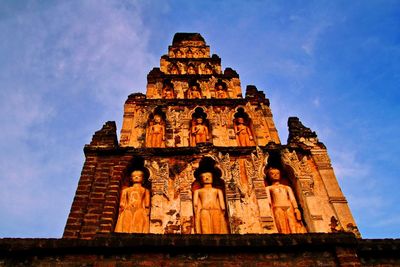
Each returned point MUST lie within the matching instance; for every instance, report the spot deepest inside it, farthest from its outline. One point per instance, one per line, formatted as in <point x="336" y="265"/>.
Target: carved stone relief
<point x="135" y="127"/>
<point x="301" y="170"/>
<point x="179" y="120"/>
<point x="255" y="169"/>
<point x="189" y="68"/>
<point x="321" y="159"/>
<point x="179" y="88"/>
<point x="205" y="90"/>
<point x="261" y="127"/>
<point x="160" y="197"/>
<point x="189" y="52"/>
<point x="242" y="201"/>
<point x="304" y="179"/>
<point x="248" y="201"/>
<point x="220" y="119"/>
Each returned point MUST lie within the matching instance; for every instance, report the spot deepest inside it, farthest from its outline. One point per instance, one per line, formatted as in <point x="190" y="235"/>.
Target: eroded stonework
<point x="193" y="123"/>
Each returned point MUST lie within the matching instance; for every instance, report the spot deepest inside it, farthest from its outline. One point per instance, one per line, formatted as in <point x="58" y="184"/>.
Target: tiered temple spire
<point x="195" y="156"/>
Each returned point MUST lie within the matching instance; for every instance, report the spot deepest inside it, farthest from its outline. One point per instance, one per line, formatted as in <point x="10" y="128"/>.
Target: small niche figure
<point x="134" y="207"/>
<point x="191" y="70"/>
<point x="156" y="133"/>
<point x="168" y="92"/>
<point x="179" y="54"/>
<point x="209" y="207"/>
<point x="194" y="92"/>
<point x="208" y="69"/>
<point x="174" y="69"/>
<point x="284" y="205"/>
<point x="220" y="91"/>
<point x="199" y="132"/>
<point x="243" y="133"/>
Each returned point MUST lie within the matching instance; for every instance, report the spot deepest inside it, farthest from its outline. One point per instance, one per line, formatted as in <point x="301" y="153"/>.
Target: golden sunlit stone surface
<point x="210" y="159"/>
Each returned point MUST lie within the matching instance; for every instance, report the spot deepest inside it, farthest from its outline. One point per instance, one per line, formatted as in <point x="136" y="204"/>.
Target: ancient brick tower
<point x="195" y="120"/>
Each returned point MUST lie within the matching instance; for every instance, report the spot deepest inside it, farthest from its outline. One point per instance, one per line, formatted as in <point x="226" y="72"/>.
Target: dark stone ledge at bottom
<point x="212" y="243"/>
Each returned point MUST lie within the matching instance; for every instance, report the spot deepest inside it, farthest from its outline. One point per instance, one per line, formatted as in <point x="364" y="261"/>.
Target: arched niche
<point x="200" y="131"/>
<point x="194" y="90"/>
<point x="189" y="53"/>
<point x="209" y="201"/>
<point x="191" y="69"/>
<point x="274" y="161"/>
<point x="173" y="69"/>
<point x="208" y="164"/>
<point x="206" y="69"/>
<point x="221" y="89"/>
<point x="136" y="163"/>
<point x="243" y="126"/>
<point x="155" y="130"/>
<point x="134" y="202"/>
<point x="285" y="205"/>
<point x="168" y="90"/>
<point x="179" y="53"/>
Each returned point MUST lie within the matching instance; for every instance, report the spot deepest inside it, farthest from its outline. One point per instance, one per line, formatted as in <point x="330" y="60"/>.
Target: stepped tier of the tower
<point x="194" y="138"/>
<point x="239" y="172"/>
<point x="189" y="63"/>
<point x="179" y="115"/>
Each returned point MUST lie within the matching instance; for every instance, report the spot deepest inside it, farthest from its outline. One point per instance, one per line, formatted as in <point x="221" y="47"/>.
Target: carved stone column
<point x="159" y="176"/>
<point x="304" y="183"/>
<point x="256" y="169"/>
<point x="232" y="192"/>
<point x="186" y="180"/>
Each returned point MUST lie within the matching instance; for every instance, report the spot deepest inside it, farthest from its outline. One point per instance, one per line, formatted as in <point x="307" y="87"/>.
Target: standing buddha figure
<point x="168" y="91"/>
<point x="243" y="133"/>
<point x="209" y="207"/>
<point x="199" y="132"/>
<point x="194" y="92"/>
<point x="134" y="207"/>
<point x="156" y="133"/>
<point x="220" y="92"/>
<point x="284" y="205"/>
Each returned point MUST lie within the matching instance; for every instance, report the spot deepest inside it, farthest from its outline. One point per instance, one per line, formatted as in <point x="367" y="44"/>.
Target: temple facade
<point x="197" y="156"/>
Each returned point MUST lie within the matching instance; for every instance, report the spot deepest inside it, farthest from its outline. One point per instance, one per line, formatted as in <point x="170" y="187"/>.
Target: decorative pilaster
<point x="335" y="194"/>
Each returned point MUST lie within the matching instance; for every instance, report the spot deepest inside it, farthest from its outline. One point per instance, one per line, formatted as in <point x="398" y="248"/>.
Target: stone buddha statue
<point x="156" y="133"/>
<point x="243" y="133"/>
<point x="194" y="92"/>
<point x="220" y="91"/>
<point x="199" y="132"/>
<point x="134" y="207"/>
<point x="209" y="207"/>
<point x="284" y="205"/>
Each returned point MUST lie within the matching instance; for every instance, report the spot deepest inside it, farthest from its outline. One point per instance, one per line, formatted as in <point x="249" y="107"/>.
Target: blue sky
<point x="66" y="67"/>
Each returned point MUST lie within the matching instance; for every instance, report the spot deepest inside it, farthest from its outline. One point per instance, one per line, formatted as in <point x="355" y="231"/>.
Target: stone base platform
<point x="339" y="249"/>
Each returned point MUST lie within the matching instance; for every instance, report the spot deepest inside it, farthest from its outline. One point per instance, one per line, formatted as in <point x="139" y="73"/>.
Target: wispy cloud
<point x="347" y="164"/>
<point x="62" y="63"/>
<point x="313" y="36"/>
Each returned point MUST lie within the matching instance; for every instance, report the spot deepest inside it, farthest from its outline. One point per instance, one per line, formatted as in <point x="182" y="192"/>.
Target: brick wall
<point x="96" y="199"/>
<point x="202" y="250"/>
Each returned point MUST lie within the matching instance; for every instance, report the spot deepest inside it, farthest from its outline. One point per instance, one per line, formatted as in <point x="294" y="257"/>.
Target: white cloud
<point x="316" y="102"/>
<point x="66" y="65"/>
<point x="346" y="164"/>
